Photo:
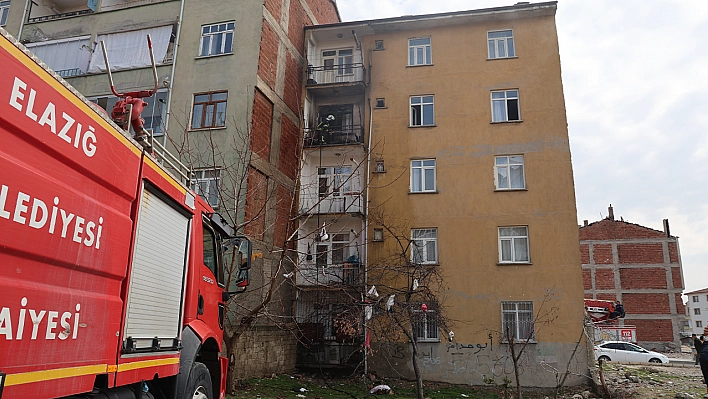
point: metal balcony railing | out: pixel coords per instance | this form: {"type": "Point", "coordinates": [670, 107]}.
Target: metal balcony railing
{"type": "Point", "coordinates": [68, 73]}
{"type": "Point", "coordinates": [346, 203]}
{"type": "Point", "coordinates": [59, 16]}
{"type": "Point", "coordinates": [128, 4]}
{"type": "Point", "coordinates": [344, 274]}
{"type": "Point", "coordinates": [344, 135]}
{"type": "Point", "coordinates": [346, 73]}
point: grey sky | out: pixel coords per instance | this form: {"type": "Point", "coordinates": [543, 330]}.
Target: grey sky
{"type": "Point", "coordinates": [635, 76]}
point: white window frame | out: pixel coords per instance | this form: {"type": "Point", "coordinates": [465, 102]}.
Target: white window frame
{"type": "Point", "coordinates": [339, 181]}
{"type": "Point", "coordinates": [421, 244]}
{"type": "Point", "coordinates": [513, 241]}
{"type": "Point", "coordinates": [325, 250]}
{"type": "Point", "coordinates": [504, 98]}
{"type": "Point", "coordinates": [427, 321]}
{"type": "Point", "coordinates": [200, 177]}
{"type": "Point", "coordinates": [421, 103]}
{"type": "Point", "coordinates": [420, 53]}
{"type": "Point", "coordinates": [4, 11]}
{"type": "Point", "coordinates": [508, 164]}
{"type": "Point", "coordinates": [501, 44]}
{"type": "Point", "coordinates": [421, 166]}
{"type": "Point", "coordinates": [699, 324]}
{"type": "Point", "coordinates": [694, 298]}
{"type": "Point", "coordinates": [518, 313]}
{"type": "Point", "coordinates": [341, 60]}
{"type": "Point", "coordinates": [697, 311]}
{"type": "Point", "coordinates": [210, 32]}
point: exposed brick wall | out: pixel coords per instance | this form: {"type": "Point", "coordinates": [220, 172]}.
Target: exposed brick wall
{"type": "Point", "coordinates": [646, 303]}
{"type": "Point", "coordinates": [680, 308]}
{"type": "Point", "coordinates": [282, 215]}
{"type": "Point", "coordinates": [261, 125]}
{"type": "Point", "coordinates": [263, 351]}
{"type": "Point", "coordinates": [645, 277]}
{"type": "Point", "coordinates": [604, 279]}
{"type": "Point", "coordinates": [602, 254]}
{"type": "Point", "coordinates": [585, 254]}
{"type": "Point", "coordinates": [296, 24]}
{"type": "Point", "coordinates": [268, 56]}
{"type": "Point", "coordinates": [652, 330]}
{"type": "Point", "coordinates": [587, 279]}
{"type": "Point", "coordinates": [607, 297]}
{"type": "Point", "coordinates": [640, 253]}
{"type": "Point", "coordinates": [293, 83]}
{"type": "Point", "coordinates": [256, 197]}
{"type": "Point", "coordinates": [289, 140]}
{"type": "Point", "coordinates": [615, 229]}
{"type": "Point", "coordinates": [273, 7]}
{"type": "Point", "coordinates": [324, 11]}
{"type": "Point", "coordinates": [676, 277]}
{"type": "Point", "coordinates": [673, 252]}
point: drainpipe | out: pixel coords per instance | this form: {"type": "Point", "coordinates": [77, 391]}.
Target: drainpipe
{"type": "Point", "coordinates": [172, 73]}
{"type": "Point", "coordinates": [366, 223]}
{"type": "Point", "coordinates": [24, 18]}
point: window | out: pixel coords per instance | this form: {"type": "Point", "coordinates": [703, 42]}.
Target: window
{"type": "Point", "coordinates": [419, 51]}
{"type": "Point", "coordinates": [505, 106]}
{"type": "Point", "coordinates": [513, 244]}
{"type": "Point", "coordinates": [378, 235]}
{"type": "Point", "coordinates": [205, 183]}
{"type": "Point", "coordinates": [217, 39]}
{"type": "Point", "coordinates": [699, 323]}
{"type": "Point", "coordinates": [340, 60]}
{"type": "Point", "coordinates": [154, 112]}
{"type": "Point", "coordinates": [67, 57]}
{"type": "Point", "coordinates": [694, 298]}
{"type": "Point", "coordinates": [425, 324]}
{"type": "Point", "coordinates": [378, 45]}
{"type": "Point", "coordinates": [380, 103]}
{"type": "Point", "coordinates": [423, 176]}
{"type": "Point", "coordinates": [509, 172]}
{"type": "Point", "coordinates": [501, 44]}
{"type": "Point", "coordinates": [424, 246]}
{"type": "Point", "coordinates": [380, 166]}
{"type": "Point", "coordinates": [209, 110]}
{"type": "Point", "coordinates": [517, 320]}
{"type": "Point", "coordinates": [211, 255]}
{"type": "Point", "coordinates": [333, 252]}
{"type": "Point", "coordinates": [129, 50]}
{"type": "Point", "coordinates": [334, 181]}
{"type": "Point", "coordinates": [697, 311]}
{"type": "Point", "coordinates": [4, 10]}
{"type": "Point", "coordinates": [422, 111]}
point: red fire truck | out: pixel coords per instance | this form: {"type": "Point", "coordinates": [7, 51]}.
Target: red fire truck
{"type": "Point", "coordinates": [112, 271]}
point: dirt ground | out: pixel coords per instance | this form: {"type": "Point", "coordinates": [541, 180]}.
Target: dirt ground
{"type": "Point", "coordinates": [655, 381]}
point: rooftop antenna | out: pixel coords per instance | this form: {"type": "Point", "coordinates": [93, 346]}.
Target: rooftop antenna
{"type": "Point", "coordinates": [127, 110]}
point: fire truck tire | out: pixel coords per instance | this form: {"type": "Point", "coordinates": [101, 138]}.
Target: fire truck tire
{"type": "Point", "coordinates": [199, 384]}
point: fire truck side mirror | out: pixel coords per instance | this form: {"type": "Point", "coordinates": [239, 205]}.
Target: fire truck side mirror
{"type": "Point", "coordinates": [245, 254]}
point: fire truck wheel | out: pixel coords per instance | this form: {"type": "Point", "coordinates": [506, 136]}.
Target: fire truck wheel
{"type": "Point", "coordinates": [199, 384]}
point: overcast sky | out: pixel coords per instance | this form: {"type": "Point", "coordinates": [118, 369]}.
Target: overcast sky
{"type": "Point", "coordinates": [635, 76]}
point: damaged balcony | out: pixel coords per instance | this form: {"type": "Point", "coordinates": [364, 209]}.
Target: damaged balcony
{"type": "Point", "coordinates": [341, 135]}
{"type": "Point", "coordinates": [336, 76]}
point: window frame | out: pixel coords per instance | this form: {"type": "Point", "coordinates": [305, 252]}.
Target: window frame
{"type": "Point", "coordinates": [423, 247]}
{"type": "Point", "coordinates": [224, 40]}
{"type": "Point", "coordinates": [508, 165]}
{"type": "Point", "coordinates": [699, 324]}
{"type": "Point", "coordinates": [423, 180]}
{"type": "Point", "coordinates": [696, 311]}
{"type": "Point", "coordinates": [4, 12]}
{"type": "Point", "coordinates": [517, 322]}
{"type": "Point", "coordinates": [506, 100]}
{"type": "Point", "coordinates": [195, 185]}
{"type": "Point", "coordinates": [422, 104]}
{"type": "Point", "coordinates": [427, 51]}
{"type": "Point", "coordinates": [694, 298]}
{"type": "Point", "coordinates": [428, 322]}
{"type": "Point", "coordinates": [512, 249]}
{"type": "Point", "coordinates": [218, 271]}
{"type": "Point", "coordinates": [506, 40]}
{"type": "Point", "coordinates": [204, 110]}
{"type": "Point", "coordinates": [339, 181]}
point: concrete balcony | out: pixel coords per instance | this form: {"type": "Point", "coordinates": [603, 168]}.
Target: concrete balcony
{"type": "Point", "coordinates": [350, 203]}
{"type": "Point", "coordinates": [336, 80]}
{"type": "Point", "coordinates": [332, 275]}
{"type": "Point", "coordinates": [343, 135]}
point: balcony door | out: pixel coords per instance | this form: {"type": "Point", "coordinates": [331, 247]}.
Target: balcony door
{"type": "Point", "coordinates": [339, 61]}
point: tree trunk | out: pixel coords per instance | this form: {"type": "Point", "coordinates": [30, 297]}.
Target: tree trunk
{"type": "Point", "coordinates": [416, 370]}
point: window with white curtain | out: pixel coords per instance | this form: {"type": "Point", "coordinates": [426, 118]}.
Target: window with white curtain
{"type": "Point", "coordinates": [509, 172]}
{"type": "Point", "coordinates": [517, 320]}
{"type": "Point", "coordinates": [505, 106]}
{"type": "Point", "coordinates": [4, 10]}
{"type": "Point", "coordinates": [127, 50]}
{"type": "Point", "coordinates": [424, 246]}
{"type": "Point", "coordinates": [419, 51]}
{"type": "Point", "coordinates": [514, 244]}
{"type": "Point", "coordinates": [501, 44]}
{"type": "Point", "coordinates": [67, 57]}
{"type": "Point", "coordinates": [423, 176]}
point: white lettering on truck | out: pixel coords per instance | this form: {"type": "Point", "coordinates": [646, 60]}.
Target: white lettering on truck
{"type": "Point", "coordinates": [83, 230]}
{"type": "Point", "coordinates": [49, 119]}
{"type": "Point", "coordinates": [36, 317]}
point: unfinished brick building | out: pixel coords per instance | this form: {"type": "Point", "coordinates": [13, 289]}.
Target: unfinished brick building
{"type": "Point", "coordinates": [641, 267]}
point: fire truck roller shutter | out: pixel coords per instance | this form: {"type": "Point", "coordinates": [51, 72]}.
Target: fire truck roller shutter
{"type": "Point", "coordinates": [155, 294]}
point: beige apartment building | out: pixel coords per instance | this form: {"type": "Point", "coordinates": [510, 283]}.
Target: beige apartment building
{"type": "Point", "coordinates": [453, 127]}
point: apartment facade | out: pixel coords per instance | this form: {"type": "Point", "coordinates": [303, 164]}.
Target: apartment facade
{"type": "Point", "coordinates": [228, 103]}
{"type": "Point", "coordinates": [448, 130]}
{"type": "Point", "coordinates": [641, 267]}
{"type": "Point", "coordinates": [697, 310]}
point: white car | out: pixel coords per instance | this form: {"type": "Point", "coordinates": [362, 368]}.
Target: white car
{"type": "Point", "coordinates": [619, 351]}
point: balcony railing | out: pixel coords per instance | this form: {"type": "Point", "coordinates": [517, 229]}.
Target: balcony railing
{"type": "Point", "coordinates": [68, 73]}
{"type": "Point", "coordinates": [59, 16]}
{"type": "Point", "coordinates": [344, 135]}
{"type": "Point", "coordinates": [346, 203]}
{"type": "Point", "coordinates": [347, 73]}
{"type": "Point", "coordinates": [127, 4]}
{"type": "Point", "coordinates": [345, 274]}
